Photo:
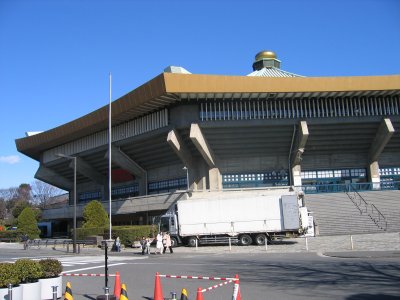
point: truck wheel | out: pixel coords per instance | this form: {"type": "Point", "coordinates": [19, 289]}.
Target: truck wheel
{"type": "Point", "coordinates": [174, 242]}
{"type": "Point", "coordinates": [261, 239]}
{"type": "Point", "coordinates": [192, 241]}
{"type": "Point", "coordinates": [245, 240]}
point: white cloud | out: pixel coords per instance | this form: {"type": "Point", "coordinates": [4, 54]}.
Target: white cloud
{"type": "Point", "coordinates": [11, 159]}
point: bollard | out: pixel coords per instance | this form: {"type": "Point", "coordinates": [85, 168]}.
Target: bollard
{"type": "Point", "coordinates": [306, 244]}
{"type": "Point", "coordinates": [9, 291]}
{"type": "Point", "coordinates": [79, 248]}
{"type": "Point", "coordinates": [54, 287]}
{"type": "Point", "coordinates": [68, 247]}
{"type": "Point", "coordinates": [196, 244]}
{"type": "Point", "coordinates": [351, 242]}
{"type": "Point", "coordinates": [230, 245]}
{"type": "Point", "coordinates": [266, 244]}
{"type": "Point", "coordinates": [106, 292]}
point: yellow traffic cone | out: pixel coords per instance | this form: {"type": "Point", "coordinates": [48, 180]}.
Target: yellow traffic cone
{"type": "Point", "coordinates": [124, 293]}
{"type": "Point", "coordinates": [68, 292]}
{"type": "Point", "coordinates": [184, 294]}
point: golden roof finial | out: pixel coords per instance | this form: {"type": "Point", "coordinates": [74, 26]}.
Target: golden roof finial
{"type": "Point", "coordinates": [265, 54]}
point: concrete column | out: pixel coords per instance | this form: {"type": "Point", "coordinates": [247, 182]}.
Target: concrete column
{"type": "Point", "coordinates": [47, 175]}
{"type": "Point", "coordinates": [295, 162]}
{"type": "Point", "coordinates": [215, 179]}
{"type": "Point", "coordinates": [127, 163]}
{"type": "Point", "coordinates": [296, 175]}
{"type": "Point", "coordinates": [373, 174]}
{"type": "Point", "coordinates": [201, 175]}
{"type": "Point", "coordinates": [382, 137]}
{"type": "Point", "coordinates": [199, 140]}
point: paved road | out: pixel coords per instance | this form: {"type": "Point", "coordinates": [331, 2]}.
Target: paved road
{"type": "Point", "coordinates": [284, 271]}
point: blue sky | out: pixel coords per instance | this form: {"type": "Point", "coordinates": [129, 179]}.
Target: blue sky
{"type": "Point", "coordinates": [55, 56]}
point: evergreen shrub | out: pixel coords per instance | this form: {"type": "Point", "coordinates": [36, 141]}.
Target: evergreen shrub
{"type": "Point", "coordinates": [27, 223]}
{"type": "Point", "coordinates": [28, 270]}
{"type": "Point", "coordinates": [94, 215]}
{"type": "Point", "coordinates": [8, 274]}
{"type": "Point", "coordinates": [50, 267]}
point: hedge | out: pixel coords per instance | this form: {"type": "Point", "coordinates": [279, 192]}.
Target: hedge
{"type": "Point", "coordinates": [13, 235]}
{"type": "Point", "coordinates": [126, 234]}
{"type": "Point", "coordinates": [27, 270]}
{"type": "Point", "coordinates": [9, 274]}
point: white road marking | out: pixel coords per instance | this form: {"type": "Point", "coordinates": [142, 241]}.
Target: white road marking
{"type": "Point", "coordinates": [90, 268]}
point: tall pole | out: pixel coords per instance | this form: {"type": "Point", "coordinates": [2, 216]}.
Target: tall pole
{"type": "Point", "coordinates": [74, 161]}
{"type": "Point", "coordinates": [109, 158]}
{"type": "Point", "coordinates": [187, 177]}
{"type": "Point", "coordinates": [74, 233]}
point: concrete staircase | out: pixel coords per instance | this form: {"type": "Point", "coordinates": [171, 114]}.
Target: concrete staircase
{"type": "Point", "coordinates": [335, 214]}
{"type": "Point", "coordinates": [388, 203]}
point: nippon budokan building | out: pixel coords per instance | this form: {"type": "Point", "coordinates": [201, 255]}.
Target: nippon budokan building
{"type": "Point", "coordinates": [180, 134]}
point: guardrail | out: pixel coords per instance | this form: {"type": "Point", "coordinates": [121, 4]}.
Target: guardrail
{"type": "Point", "coordinates": [340, 188]}
{"type": "Point", "coordinates": [38, 243]}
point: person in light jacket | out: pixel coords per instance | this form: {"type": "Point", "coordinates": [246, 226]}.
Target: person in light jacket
{"type": "Point", "coordinates": [159, 245]}
{"type": "Point", "coordinates": [167, 242]}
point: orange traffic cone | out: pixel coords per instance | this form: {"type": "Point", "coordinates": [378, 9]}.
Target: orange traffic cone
{"type": "Point", "coordinates": [117, 285]}
{"type": "Point", "coordinates": [158, 295]}
{"type": "Point", "coordinates": [68, 292]}
{"type": "Point", "coordinates": [199, 294]}
{"type": "Point", "coordinates": [236, 289]}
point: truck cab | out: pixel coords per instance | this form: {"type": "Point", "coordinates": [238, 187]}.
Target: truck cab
{"type": "Point", "coordinates": [169, 223]}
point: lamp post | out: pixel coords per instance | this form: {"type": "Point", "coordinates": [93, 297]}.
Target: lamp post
{"type": "Point", "coordinates": [187, 177]}
{"type": "Point", "coordinates": [73, 158]}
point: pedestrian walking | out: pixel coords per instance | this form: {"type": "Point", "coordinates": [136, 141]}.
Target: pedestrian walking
{"type": "Point", "coordinates": [143, 244]}
{"type": "Point", "coordinates": [25, 240]}
{"type": "Point", "coordinates": [118, 244]}
{"type": "Point", "coordinates": [159, 245]}
{"type": "Point", "coordinates": [167, 242]}
{"type": "Point", "coordinates": [148, 243]}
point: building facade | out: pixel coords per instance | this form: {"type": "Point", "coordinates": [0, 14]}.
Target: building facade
{"type": "Point", "coordinates": [183, 132]}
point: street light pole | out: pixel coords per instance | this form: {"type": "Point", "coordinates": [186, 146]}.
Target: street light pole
{"type": "Point", "coordinates": [187, 177]}
{"type": "Point", "coordinates": [74, 160]}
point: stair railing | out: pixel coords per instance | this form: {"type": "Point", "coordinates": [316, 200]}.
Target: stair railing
{"type": "Point", "coordinates": [364, 207]}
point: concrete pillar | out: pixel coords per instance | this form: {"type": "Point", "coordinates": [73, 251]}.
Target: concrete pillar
{"type": "Point", "coordinates": [382, 137]}
{"type": "Point", "coordinates": [199, 140]}
{"type": "Point", "coordinates": [127, 163]}
{"type": "Point", "coordinates": [373, 174]}
{"type": "Point", "coordinates": [215, 179]}
{"type": "Point", "coordinates": [298, 150]}
{"type": "Point", "coordinates": [296, 175]}
{"type": "Point", "coordinates": [201, 175]}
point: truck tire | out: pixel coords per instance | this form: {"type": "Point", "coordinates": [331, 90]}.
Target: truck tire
{"type": "Point", "coordinates": [261, 239]}
{"type": "Point", "coordinates": [174, 242]}
{"type": "Point", "coordinates": [192, 241]}
{"type": "Point", "coordinates": [245, 240]}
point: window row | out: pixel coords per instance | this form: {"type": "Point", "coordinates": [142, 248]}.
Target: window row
{"type": "Point", "coordinates": [341, 173]}
{"type": "Point", "coordinates": [248, 180]}
{"type": "Point", "coordinates": [217, 109]}
{"type": "Point", "coordinates": [167, 185]}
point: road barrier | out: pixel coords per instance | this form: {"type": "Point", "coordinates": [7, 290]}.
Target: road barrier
{"type": "Point", "coordinates": [158, 295]}
{"type": "Point", "coordinates": [89, 275]}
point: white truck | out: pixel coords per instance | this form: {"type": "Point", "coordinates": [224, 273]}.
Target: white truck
{"type": "Point", "coordinates": [242, 217]}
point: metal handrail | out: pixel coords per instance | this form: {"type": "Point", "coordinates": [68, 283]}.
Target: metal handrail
{"type": "Point", "coordinates": [379, 215]}
{"type": "Point", "coordinates": [361, 199]}
{"type": "Point", "coordinates": [373, 208]}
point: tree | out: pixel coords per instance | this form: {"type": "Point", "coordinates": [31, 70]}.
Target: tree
{"type": "Point", "coordinates": [94, 215]}
{"type": "Point", "coordinates": [19, 206]}
{"type": "Point", "coordinates": [27, 223]}
{"type": "Point", "coordinates": [3, 209]}
{"type": "Point", "coordinates": [43, 192]}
